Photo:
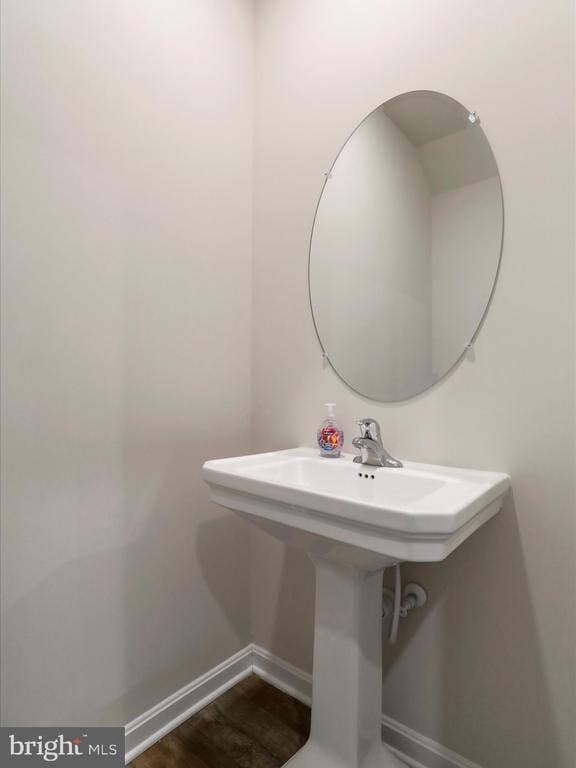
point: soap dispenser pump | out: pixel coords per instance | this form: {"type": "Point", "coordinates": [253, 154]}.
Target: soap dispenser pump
{"type": "Point", "coordinates": [330, 436]}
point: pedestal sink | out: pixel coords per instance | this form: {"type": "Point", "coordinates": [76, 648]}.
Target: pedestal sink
{"type": "Point", "coordinates": [354, 521]}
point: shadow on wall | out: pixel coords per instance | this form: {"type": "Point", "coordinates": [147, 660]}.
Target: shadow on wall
{"type": "Point", "coordinates": [294, 609]}
{"type": "Point", "coordinates": [223, 527]}
{"type": "Point", "coordinates": [479, 652]}
{"type": "Point", "coordinates": [289, 589]}
{"type": "Point", "coordinates": [131, 624]}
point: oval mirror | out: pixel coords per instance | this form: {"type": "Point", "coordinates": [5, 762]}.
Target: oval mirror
{"type": "Point", "coordinates": [406, 245]}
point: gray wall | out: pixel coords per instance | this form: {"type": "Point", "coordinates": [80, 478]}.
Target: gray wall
{"type": "Point", "coordinates": [488, 667]}
{"type": "Point", "coordinates": [126, 349]}
{"type": "Point", "coordinates": [127, 342]}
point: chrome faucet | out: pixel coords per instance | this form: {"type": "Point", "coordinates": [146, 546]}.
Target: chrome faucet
{"type": "Point", "coordinates": [370, 446]}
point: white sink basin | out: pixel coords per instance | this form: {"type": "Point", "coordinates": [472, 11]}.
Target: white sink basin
{"type": "Point", "coordinates": [419, 512]}
{"type": "Point", "coordinates": [353, 520]}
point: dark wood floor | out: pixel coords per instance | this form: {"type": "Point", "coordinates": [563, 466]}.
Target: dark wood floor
{"type": "Point", "coordinates": [253, 725]}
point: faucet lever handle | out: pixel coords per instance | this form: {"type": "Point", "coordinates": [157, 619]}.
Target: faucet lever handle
{"type": "Point", "coordinates": [369, 428]}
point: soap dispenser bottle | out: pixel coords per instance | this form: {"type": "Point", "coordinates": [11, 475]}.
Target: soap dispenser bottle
{"type": "Point", "coordinates": [330, 436]}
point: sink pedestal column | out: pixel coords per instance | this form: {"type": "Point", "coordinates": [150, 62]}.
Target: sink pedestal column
{"type": "Point", "coordinates": [347, 680]}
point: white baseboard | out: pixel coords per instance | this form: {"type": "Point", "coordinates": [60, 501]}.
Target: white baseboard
{"type": "Point", "coordinates": [415, 750]}
{"type": "Point", "coordinates": [168, 714]}
{"type": "Point", "coordinates": [282, 675]}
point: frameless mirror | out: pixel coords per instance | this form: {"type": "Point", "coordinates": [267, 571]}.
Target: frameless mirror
{"type": "Point", "coordinates": [406, 245]}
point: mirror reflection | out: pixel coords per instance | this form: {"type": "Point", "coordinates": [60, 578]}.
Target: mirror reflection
{"type": "Point", "coordinates": [406, 245]}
